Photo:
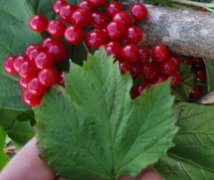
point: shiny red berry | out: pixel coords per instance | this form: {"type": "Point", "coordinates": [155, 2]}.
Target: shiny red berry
{"type": "Point", "coordinates": [74, 34]}
{"type": "Point", "coordinates": [114, 48]}
{"type": "Point", "coordinates": [133, 35]}
{"type": "Point", "coordinates": [198, 62]}
{"type": "Point", "coordinates": [18, 61]}
{"type": "Point", "coordinates": [196, 91]}
{"type": "Point", "coordinates": [201, 75]}
{"type": "Point", "coordinates": [43, 60]}
{"type": "Point", "coordinates": [35, 87]}
{"type": "Point", "coordinates": [99, 20]}
{"type": "Point", "coordinates": [27, 70]}
{"type": "Point", "coordinates": [122, 17]}
{"type": "Point", "coordinates": [85, 5]}
{"type": "Point", "coordinates": [57, 5]}
{"type": "Point", "coordinates": [97, 3]}
{"type": "Point", "coordinates": [168, 68]}
{"type": "Point", "coordinates": [160, 53]}
{"type": "Point", "coordinates": [125, 67]}
{"type": "Point", "coordinates": [56, 28]}
{"type": "Point", "coordinates": [176, 60]}
{"type": "Point", "coordinates": [130, 53]}
{"type": "Point", "coordinates": [66, 12]}
{"type": "Point", "coordinates": [81, 17]}
{"type": "Point", "coordinates": [160, 78]}
{"type": "Point", "coordinates": [32, 51]}
{"type": "Point", "coordinates": [143, 54]}
{"type": "Point", "coordinates": [96, 38]}
{"type": "Point", "coordinates": [136, 90]}
{"type": "Point", "coordinates": [31, 99]}
{"type": "Point", "coordinates": [49, 76]}
{"type": "Point", "coordinates": [23, 82]}
{"type": "Point", "coordinates": [8, 65]}
{"type": "Point", "coordinates": [138, 11]}
{"type": "Point", "coordinates": [150, 71]}
{"type": "Point", "coordinates": [38, 23]}
{"type": "Point", "coordinates": [115, 30]}
{"type": "Point", "coordinates": [175, 78]}
{"type": "Point", "coordinates": [55, 48]}
{"type": "Point", "coordinates": [113, 8]}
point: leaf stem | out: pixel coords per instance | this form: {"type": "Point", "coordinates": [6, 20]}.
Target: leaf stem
{"type": "Point", "coordinates": [207, 6]}
{"type": "Point", "coordinates": [86, 47]}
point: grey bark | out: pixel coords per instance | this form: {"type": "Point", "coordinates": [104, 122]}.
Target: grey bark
{"type": "Point", "coordinates": [185, 32]}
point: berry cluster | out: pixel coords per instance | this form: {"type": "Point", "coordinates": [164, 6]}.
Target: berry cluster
{"type": "Point", "coordinates": [154, 67]}
{"type": "Point", "coordinates": [198, 68]}
{"type": "Point", "coordinates": [36, 68]}
{"type": "Point", "coordinates": [114, 28]}
{"type": "Point", "coordinates": [94, 23]}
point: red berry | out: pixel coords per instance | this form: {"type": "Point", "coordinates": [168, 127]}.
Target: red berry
{"type": "Point", "coordinates": [138, 12]}
{"type": "Point", "coordinates": [188, 60]}
{"type": "Point", "coordinates": [56, 28]}
{"type": "Point", "coordinates": [74, 35]}
{"type": "Point", "coordinates": [31, 99]}
{"type": "Point", "coordinates": [175, 78]}
{"type": "Point", "coordinates": [201, 75]}
{"type": "Point", "coordinates": [32, 51]}
{"type": "Point", "coordinates": [35, 87]}
{"type": "Point", "coordinates": [160, 53]}
{"type": "Point", "coordinates": [143, 54]}
{"type": "Point", "coordinates": [49, 76]}
{"type": "Point", "coordinates": [81, 17]}
{"type": "Point", "coordinates": [8, 65]}
{"type": "Point", "coordinates": [138, 89]}
{"type": "Point", "coordinates": [176, 60]}
{"type": "Point", "coordinates": [43, 60]}
{"type": "Point", "coordinates": [130, 53]}
{"type": "Point", "coordinates": [196, 91]}
{"type": "Point", "coordinates": [55, 48]}
{"type": "Point", "coordinates": [23, 82]}
{"type": "Point", "coordinates": [135, 70]}
{"type": "Point", "coordinates": [99, 20]}
{"type": "Point", "coordinates": [18, 61]}
{"type": "Point", "coordinates": [85, 5]}
{"type": "Point", "coordinates": [160, 78]}
{"type": "Point", "coordinates": [150, 71]}
{"type": "Point", "coordinates": [61, 80]}
{"type": "Point", "coordinates": [125, 67]}
{"type": "Point", "coordinates": [57, 5]}
{"type": "Point", "coordinates": [122, 17]}
{"type": "Point", "coordinates": [115, 30]}
{"type": "Point", "coordinates": [96, 38]}
{"type": "Point", "coordinates": [198, 62]}
{"type": "Point", "coordinates": [114, 48]}
{"type": "Point", "coordinates": [66, 12]}
{"type": "Point", "coordinates": [113, 8]}
{"type": "Point", "coordinates": [38, 23]}
{"type": "Point", "coordinates": [97, 3]}
{"type": "Point", "coordinates": [27, 70]}
{"type": "Point", "coordinates": [133, 35]}
{"type": "Point", "coordinates": [168, 68]}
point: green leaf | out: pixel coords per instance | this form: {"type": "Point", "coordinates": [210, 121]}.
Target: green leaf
{"type": "Point", "coordinates": [14, 37]}
{"type": "Point", "coordinates": [3, 157]}
{"type": "Point", "coordinates": [93, 130]}
{"type": "Point", "coordinates": [17, 125]}
{"type": "Point", "coordinates": [188, 81]}
{"type": "Point", "coordinates": [209, 64]}
{"type": "Point", "coordinates": [2, 138]}
{"type": "Point", "coordinates": [193, 156]}
{"type": "Point", "coordinates": [21, 132]}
